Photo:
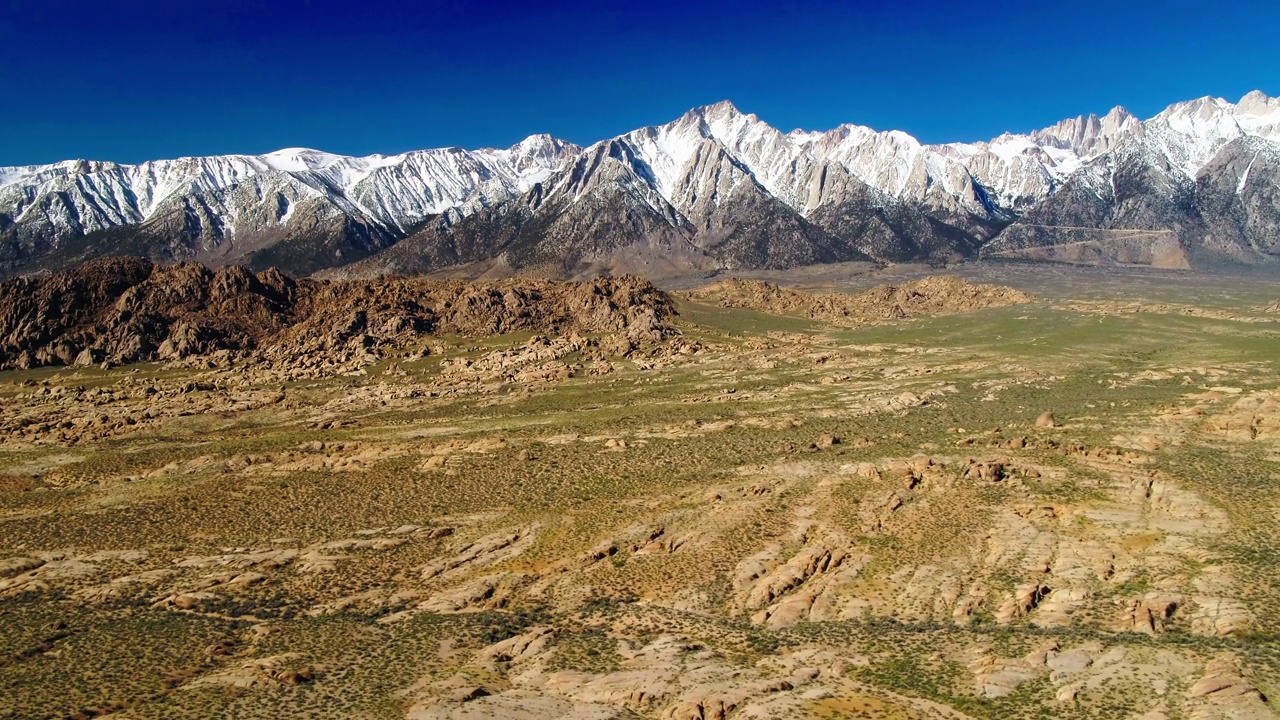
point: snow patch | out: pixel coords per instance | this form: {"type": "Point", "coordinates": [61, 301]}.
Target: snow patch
{"type": "Point", "coordinates": [1244, 176]}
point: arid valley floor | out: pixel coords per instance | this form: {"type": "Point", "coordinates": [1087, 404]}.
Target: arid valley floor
{"type": "Point", "coordinates": [947, 502]}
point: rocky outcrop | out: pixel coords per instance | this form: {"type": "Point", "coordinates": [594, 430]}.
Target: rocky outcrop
{"type": "Point", "coordinates": [122, 310]}
{"type": "Point", "coordinates": [939, 295]}
{"type": "Point", "coordinates": [1222, 692]}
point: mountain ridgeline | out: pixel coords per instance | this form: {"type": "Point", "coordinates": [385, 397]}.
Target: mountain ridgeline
{"type": "Point", "coordinates": [716, 189]}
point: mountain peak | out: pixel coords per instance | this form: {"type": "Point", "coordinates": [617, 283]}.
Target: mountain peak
{"type": "Point", "coordinates": [1089, 135]}
{"type": "Point", "coordinates": [1202, 107]}
{"type": "Point", "coordinates": [1259, 115]}
{"type": "Point", "coordinates": [720, 109]}
{"type": "Point", "coordinates": [538, 143]}
{"type": "Point", "coordinates": [1256, 102]}
{"type": "Point", "coordinates": [536, 139]}
{"type": "Point", "coordinates": [1119, 114]}
{"type": "Point", "coordinates": [298, 159]}
{"type": "Point", "coordinates": [706, 158]}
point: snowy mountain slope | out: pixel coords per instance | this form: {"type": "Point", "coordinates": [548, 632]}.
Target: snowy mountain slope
{"type": "Point", "coordinates": [722, 186]}
{"type": "Point", "coordinates": [1200, 175]}
{"type": "Point", "coordinates": [429, 181]}
{"type": "Point", "coordinates": [691, 192]}
{"type": "Point", "coordinates": [599, 209]}
{"type": "Point", "coordinates": [225, 206]}
{"type": "Point", "coordinates": [991, 181]}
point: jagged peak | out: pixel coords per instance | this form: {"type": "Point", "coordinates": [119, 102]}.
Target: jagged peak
{"type": "Point", "coordinates": [616, 149]}
{"type": "Point", "coordinates": [1087, 135]}
{"type": "Point", "coordinates": [721, 115]}
{"type": "Point", "coordinates": [608, 164]}
{"type": "Point", "coordinates": [540, 150]}
{"type": "Point", "coordinates": [540, 141]}
{"type": "Point", "coordinates": [1119, 113]}
{"type": "Point", "coordinates": [718, 109]}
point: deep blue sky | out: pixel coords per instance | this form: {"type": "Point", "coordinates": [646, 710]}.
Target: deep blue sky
{"type": "Point", "coordinates": [129, 80]}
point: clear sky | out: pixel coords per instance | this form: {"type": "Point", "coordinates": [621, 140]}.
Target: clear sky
{"type": "Point", "coordinates": [129, 80]}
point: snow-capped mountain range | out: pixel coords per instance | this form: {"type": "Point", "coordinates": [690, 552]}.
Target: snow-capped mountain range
{"type": "Point", "coordinates": [714, 188]}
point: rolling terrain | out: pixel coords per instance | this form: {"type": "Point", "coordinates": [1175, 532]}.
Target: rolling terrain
{"type": "Point", "coordinates": [876, 496]}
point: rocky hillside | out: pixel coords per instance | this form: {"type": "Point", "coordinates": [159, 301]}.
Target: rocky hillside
{"type": "Point", "coordinates": [938, 295]}
{"type": "Point", "coordinates": [121, 310]}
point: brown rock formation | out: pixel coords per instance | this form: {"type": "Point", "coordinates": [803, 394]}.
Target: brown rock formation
{"type": "Point", "coordinates": [940, 295]}
{"type": "Point", "coordinates": [121, 310]}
